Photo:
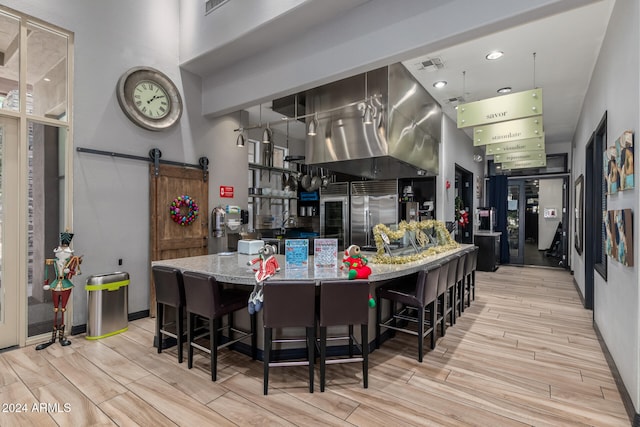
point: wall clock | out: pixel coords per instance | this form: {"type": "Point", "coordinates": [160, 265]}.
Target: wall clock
{"type": "Point", "coordinates": [149, 98]}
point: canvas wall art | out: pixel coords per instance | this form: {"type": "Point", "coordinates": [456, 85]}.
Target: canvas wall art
{"type": "Point", "coordinates": [624, 157]}
{"type": "Point", "coordinates": [618, 164]}
{"type": "Point", "coordinates": [619, 228]}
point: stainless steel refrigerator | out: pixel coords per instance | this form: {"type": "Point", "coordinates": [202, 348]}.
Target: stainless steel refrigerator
{"type": "Point", "coordinates": [334, 213]}
{"type": "Point", "coordinates": [372, 203]}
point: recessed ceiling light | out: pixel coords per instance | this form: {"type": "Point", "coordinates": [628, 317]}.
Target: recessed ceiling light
{"type": "Point", "coordinates": [47, 79]}
{"type": "Point", "coordinates": [505, 89]}
{"type": "Point", "coordinates": [494, 55]}
{"type": "Point", "coordinates": [440, 84]}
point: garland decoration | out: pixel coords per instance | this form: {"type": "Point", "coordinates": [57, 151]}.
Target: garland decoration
{"type": "Point", "coordinates": [437, 228]}
{"type": "Point", "coordinates": [462, 216]}
{"type": "Point", "coordinates": [184, 210]}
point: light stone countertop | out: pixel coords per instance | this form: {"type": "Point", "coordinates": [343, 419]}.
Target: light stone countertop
{"type": "Point", "coordinates": [487, 233]}
{"type": "Point", "coordinates": [233, 268]}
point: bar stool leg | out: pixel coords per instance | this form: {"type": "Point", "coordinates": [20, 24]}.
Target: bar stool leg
{"type": "Point", "coordinates": [266, 353]}
{"type": "Point", "coordinates": [364, 332]}
{"type": "Point", "coordinates": [323, 356]}
{"type": "Point", "coordinates": [350, 340]}
{"type": "Point", "coordinates": [159, 320]}
{"type": "Point", "coordinates": [311, 345]}
{"type": "Point", "coordinates": [420, 334]}
{"type": "Point", "coordinates": [378, 320]}
{"type": "Point", "coordinates": [180, 331]}
{"type": "Point", "coordinates": [213, 343]}
{"type": "Point", "coordinates": [190, 320]}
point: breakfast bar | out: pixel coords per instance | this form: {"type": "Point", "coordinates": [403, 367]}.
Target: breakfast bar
{"type": "Point", "coordinates": [233, 269]}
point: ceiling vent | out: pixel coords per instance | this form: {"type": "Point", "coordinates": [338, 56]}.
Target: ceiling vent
{"type": "Point", "coordinates": [455, 101]}
{"type": "Point", "coordinates": [211, 5]}
{"type": "Point", "coordinates": [432, 64]}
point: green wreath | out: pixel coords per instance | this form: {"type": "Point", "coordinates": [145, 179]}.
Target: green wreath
{"type": "Point", "coordinates": [184, 210]}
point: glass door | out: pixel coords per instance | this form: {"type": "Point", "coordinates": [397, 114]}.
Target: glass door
{"type": "Point", "coordinates": [515, 223]}
{"type": "Point", "coordinates": [9, 232]}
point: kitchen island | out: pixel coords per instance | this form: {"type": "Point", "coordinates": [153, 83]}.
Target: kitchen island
{"type": "Point", "coordinates": [232, 268]}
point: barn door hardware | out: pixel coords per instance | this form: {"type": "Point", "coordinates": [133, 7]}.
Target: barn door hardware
{"type": "Point", "coordinates": [155, 157]}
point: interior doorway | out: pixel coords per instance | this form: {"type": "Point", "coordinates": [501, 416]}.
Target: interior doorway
{"type": "Point", "coordinates": [537, 222]}
{"type": "Point", "coordinates": [464, 201]}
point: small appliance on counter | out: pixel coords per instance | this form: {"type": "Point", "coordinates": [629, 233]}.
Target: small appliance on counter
{"type": "Point", "coordinates": [249, 247]}
{"type": "Point", "coordinates": [486, 219]}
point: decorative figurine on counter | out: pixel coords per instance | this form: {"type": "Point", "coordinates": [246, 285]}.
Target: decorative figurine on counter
{"type": "Point", "coordinates": [66, 265]}
{"type": "Point", "coordinates": [356, 263]}
{"type": "Point", "coordinates": [267, 267]}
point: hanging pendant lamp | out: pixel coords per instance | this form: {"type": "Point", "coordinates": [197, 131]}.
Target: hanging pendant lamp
{"type": "Point", "coordinates": [313, 126]}
{"type": "Point", "coordinates": [267, 135]}
{"type": "Point", "coordinates": [240, 139]}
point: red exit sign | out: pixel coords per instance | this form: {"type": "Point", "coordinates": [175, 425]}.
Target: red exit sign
{"type": "Point", "coordinates": [226, 191]}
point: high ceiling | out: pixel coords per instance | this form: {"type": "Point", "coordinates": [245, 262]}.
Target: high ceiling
{"type": "Point", "coordinates": [565, 46]}
{"type": "Point", "coordinates": [557, 54]}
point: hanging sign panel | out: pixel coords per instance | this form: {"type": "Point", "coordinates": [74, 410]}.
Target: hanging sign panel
{"type": "Point", "coordinates": [512, 130]}
{"type": "Point", "coordinates": [523, 164]}
{"type": "Point", "coordinates": [500, 108]}
{"type": "Point", "coordinates": [530, 144]}
{"type": "Point", "coordinates": [519, 156]}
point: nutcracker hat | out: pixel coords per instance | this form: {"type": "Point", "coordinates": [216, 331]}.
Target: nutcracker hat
{"type": "Point", "coordinates": [65, 238]}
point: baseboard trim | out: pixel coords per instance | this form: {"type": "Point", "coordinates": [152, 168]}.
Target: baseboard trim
{"type": "Point", "coordinates": [634, 417]}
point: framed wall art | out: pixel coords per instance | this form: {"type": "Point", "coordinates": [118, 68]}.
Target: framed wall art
{"type": "Point", "coordinates": [578, 224]}
{"type": "Point", "coordinates": [624, 157]}
{"type": "Point", "coordinates": [619, 229]}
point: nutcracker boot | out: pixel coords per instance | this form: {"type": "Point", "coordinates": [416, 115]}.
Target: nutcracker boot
{"type": "Point", "coordinates": [48, 343]}
{"type": "Point", "coordinates": [61, 338]}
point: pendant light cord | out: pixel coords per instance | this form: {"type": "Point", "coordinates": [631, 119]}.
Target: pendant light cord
{"type": "Point", "coordinates": [534, 70]}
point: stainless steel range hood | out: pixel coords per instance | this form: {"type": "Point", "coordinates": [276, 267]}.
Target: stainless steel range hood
{"type": "Point", "coordinates": [401, 142]}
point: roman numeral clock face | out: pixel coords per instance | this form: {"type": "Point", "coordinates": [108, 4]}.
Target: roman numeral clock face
{"type": "Point", "coordinates": [149, 98]}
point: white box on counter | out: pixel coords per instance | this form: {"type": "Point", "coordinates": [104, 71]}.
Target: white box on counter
{"type": "Point", "coordinates": [249, 247]}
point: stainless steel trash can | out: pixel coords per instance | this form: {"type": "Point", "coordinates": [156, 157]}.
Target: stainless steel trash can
{"type": "Point", "coordinates": [107, 298]}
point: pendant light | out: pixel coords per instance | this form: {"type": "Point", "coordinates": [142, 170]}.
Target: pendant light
{"type": "Point", "coordinates": [313, 125]}
{"type": "Point", "coordinates": [240, 139]}
{"type": "Point", "coordinates": [267, 135]}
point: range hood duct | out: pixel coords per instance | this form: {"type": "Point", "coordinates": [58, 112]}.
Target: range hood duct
{"type": "Point", "coordinates": [403, 140]}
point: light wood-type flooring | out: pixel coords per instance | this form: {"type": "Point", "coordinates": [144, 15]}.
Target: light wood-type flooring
{"type": "Point", "coordinates": [524, 354]}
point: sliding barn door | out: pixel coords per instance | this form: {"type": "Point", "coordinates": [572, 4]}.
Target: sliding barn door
{"type": "Point", "coordinates": [170, 239]}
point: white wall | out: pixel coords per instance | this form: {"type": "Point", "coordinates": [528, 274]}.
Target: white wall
{"type": "Point", "coordinates": [614, 89]}
{"type": "Point", "coordinates": [549, 196]}
{"type": "Point", "coordinates": [111, 197]}
{"type": "Point", "coordinates": [456, 148]}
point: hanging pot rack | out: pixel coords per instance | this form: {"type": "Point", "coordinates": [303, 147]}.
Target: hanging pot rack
{"type": "Point", "coordinates": [154, 157]}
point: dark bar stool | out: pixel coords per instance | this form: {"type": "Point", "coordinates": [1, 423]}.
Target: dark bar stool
{"type": "Point", "coordinates": [445, 265]}
{"type": "Point", "coordinates": [207, 298]}
{"type": "Point", "coordinates": [452, 282]}
{"type": "Point", "coordinates": [288, 304]}
{"type": "Point", "coordinates": [471, 255]}
{"type": "Point", "coordinates": [421, 295]}
{"type": "Point", "coordinates": [460, 278]}
{"type": "Point", "coordinates": [344, 302]}
{"type": "Point", "coordinates": [470, 271]}
{"type": "Point", "coordinates": [169, 292]}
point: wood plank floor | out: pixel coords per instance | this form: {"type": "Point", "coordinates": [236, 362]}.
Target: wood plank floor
{"type": "Point", "coordinates": [524, 353]}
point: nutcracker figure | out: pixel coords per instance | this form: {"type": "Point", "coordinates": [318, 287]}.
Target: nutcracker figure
{"type": "Point", "coordinates": [65, 265]}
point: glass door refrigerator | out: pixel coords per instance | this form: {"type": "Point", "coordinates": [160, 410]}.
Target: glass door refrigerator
{"type": "Point", "coordinates": [334, 213]}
